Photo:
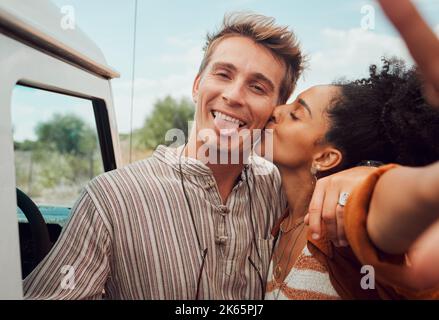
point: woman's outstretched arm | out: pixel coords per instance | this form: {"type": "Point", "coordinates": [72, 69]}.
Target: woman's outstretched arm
{"type": "Point", "coordinates": [404, 204]}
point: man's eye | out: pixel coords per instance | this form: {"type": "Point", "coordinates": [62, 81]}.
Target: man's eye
{"type": "Point", "coordinates": [257, 88]}
{"type": "Point", "coordinates": [223, 75]}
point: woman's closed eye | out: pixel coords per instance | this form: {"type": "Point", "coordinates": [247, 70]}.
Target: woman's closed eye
{"type": "Point", "coordinates": [293, 116]}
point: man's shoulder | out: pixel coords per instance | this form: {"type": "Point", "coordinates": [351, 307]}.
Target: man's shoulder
{"type": "Point", "coordinates": [150, 169]}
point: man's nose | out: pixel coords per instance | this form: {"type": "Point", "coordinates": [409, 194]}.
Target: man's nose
{"type": "Point", "coordinates": [233, 94]}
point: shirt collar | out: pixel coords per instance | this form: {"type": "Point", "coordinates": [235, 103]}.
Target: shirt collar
{"type": "Point", "coordinates": [189, 166]}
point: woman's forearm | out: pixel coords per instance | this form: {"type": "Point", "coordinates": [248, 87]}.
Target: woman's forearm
{"type": "Point", "coordinates": [404, 204]}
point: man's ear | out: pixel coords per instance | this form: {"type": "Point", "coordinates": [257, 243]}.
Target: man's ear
{"type": "Point", "coordinates": [195, 87]}
{"type": "Point", "coordinates": [327, 159]}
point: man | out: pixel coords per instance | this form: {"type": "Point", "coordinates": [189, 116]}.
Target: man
{"type": "Point", "coordinates": [176, 226]}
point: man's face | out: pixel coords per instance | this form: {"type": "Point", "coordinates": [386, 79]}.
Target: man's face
{"type": "Point", "coordinates": [238, 88]}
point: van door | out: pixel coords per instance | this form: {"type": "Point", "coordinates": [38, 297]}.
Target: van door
{"type": "Point", "coordinates": [25, 66]}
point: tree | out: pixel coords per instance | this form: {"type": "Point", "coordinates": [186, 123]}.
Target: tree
{"type": "Point", "coordinates": [67, 134]}
{"type": "Point", "coordinates": [71, 137]}
{"type": "Point", "coordinates": [167, 114]}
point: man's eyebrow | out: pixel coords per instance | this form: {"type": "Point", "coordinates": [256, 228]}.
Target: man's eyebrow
{"type": "Point", "coordinates": [224, 65]}
{"type": "Point", "coordinates": [305, 105]}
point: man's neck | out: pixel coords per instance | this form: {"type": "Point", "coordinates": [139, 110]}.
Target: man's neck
{"type": "Point", "coordinates": [298, 186]}
{"type": "Point", "coordinates": [226, 175]}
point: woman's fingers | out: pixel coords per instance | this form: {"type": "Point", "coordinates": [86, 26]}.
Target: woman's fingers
{"type": "Point", "coordinates": [315, 208]}
{"type": "Point", "coordinates": [341, 235]}
{"type": "Point", "coordinates": [329, 215]}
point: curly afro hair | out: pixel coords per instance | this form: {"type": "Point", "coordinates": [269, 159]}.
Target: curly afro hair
{"type": "Point", "coordinates": [384, 118]}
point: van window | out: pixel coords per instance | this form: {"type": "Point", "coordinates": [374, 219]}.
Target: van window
{"type": "Point", "coordinates": [56, 149]}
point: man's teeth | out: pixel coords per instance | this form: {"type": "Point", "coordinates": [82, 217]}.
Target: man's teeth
{"type": "Point", "coordinates": [227, 118]}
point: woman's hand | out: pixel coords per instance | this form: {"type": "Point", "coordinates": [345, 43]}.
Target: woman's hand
{"type": "Point", "coordinates": [421, 41]}
{"type": "Point", "coordinates": [324, 206]}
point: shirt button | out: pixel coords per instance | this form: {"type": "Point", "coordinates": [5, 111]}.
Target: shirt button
{"type": "Point", "coordinates": [223, 210]}
{"type": "Point", "coordinates": [209, 185]}
{"type": "Point", "coordinates": [221, 240]}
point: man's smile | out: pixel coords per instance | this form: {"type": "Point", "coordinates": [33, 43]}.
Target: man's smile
{"type": "Point", "coordinates": [226, 123]}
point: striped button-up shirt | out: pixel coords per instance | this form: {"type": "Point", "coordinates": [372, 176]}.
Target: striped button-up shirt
{"type": "Point", "coordinates": [131, 236]}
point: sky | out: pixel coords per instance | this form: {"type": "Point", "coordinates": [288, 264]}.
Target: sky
{"type": "Point", "coordinates": [171, 34]}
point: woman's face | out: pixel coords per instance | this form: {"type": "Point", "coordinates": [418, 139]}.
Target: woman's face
{"type": "Point", "coordinates": [297, 127]}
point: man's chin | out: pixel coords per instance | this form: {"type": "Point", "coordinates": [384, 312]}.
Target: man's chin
{"type": "Point", "coordinates": [222, 153]}
{"type": "Point", "coordinates": [219, 147]}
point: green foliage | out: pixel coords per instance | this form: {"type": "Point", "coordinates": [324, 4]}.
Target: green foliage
{"type": "Point", "coordinates": [65, 156]}
{"type": "Point", "coordinates": [67, 134]}
{"type": "Point", "coordinates": [167, 114]}
{"type": "Point", "coordinates": [26, 145]}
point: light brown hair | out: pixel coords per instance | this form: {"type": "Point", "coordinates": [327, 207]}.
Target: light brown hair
{"type": "Point", "coordinates": [262, 30]}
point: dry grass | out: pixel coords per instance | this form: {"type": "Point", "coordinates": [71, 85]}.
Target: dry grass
{"type": "Point", "coordinates": [136, 154]}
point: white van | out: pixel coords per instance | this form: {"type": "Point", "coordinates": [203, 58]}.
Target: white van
{"type": "Point", "coordinates": [54, 87]}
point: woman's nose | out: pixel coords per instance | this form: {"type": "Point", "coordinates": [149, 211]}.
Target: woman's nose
{"type": "Point", "coordinates": [275, 116]}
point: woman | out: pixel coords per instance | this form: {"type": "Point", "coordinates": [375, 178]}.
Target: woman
{"type": "Point", "coordinates": [332, 128]}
